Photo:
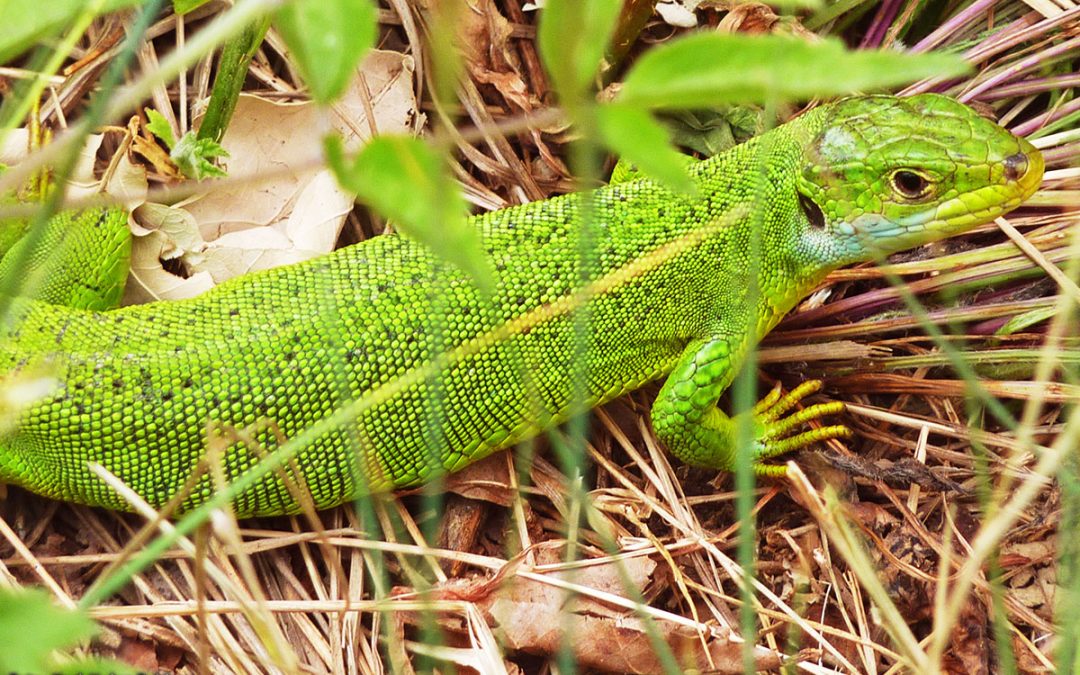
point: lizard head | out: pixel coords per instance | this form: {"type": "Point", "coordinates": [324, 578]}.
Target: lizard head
{"type": "Point", "coordinates": [886, 174]}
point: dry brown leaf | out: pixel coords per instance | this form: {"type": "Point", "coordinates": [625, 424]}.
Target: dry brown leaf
{"type": "Point", "coordinates": [149, 281]}
{"type": "Point", "coordinates": [487, 480]}
{"type": "Point", "coordinates": [127, 183]}
{"type": "Point", "coordinates": [751, 18]}
{"type": "Point", "coordinates": [145, 145]}
{"type": "Point", "coordinates": [535, 617]}
{"type": "Point", "coordinates": [124, 181]}
{"type": "Point", "coordinates": [139, 653]}
{"type": "Point", "coordinates": [82, 183]}
{"type": "Point", "coordinates": [485, 42]}
{"type": "Point", "coordinates": [969, 643]}
{"type": "Point", "coordinates": [294, 214]}
{"type": "Point", "coordinates": [755, 18]}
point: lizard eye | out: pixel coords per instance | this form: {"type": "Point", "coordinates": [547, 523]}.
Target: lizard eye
{"type": "Point", "coordinates": [909, 184]}
{"type": "Point", "coordinates": [812, 212]}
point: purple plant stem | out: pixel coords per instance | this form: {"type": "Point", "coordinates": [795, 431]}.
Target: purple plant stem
{"type": "Point", "coordinates": [1020, 67]}
{"type": "Point", "coordinates": [952, 25]}
{"type": "Point", "coordinates": [876, 33]}
{"type": "Point", "coordinates": [1027, 27]}
{"type": "Point", "coordinates": [1039, 121]}
{"type": "Point", "coordinates": [1063, 154]}
{"type": "Point", "coordinates": [1033, 86]}
{"type": "Point", "coordinates": [1002, 40]}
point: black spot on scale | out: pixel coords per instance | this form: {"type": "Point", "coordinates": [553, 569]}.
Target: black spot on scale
{"type": "Point", "coordinates": [166, 396]}
{"type": "Point", "coordinates": [118, 383]}
{"type": "Point", "coordinates": [188, 383]}
{"type": "Point", "coordinates": [234, 312]}
{"type": "Point", "coordinates": [62, 332]}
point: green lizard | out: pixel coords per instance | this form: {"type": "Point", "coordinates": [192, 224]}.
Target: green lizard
{"type": "Point", "coordinates": [671, 292]}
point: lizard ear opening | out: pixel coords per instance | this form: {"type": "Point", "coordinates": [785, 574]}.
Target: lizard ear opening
{"type": "Point", "coordinates": [812, 212]}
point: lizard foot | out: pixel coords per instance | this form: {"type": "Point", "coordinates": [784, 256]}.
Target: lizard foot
{"type": "Point", "coordinates": [775, 435]}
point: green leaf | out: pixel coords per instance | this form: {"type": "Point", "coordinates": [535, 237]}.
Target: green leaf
{"type": "Point", "coordinates": [1026, 320]}
{"type": "Point", "coordinates": [402, 178]}
{"type": "Point", "coordinates": [182, 7]}
{"type": "Point", "coordinates": [635, 136]}
{"type": "Point", "coordinates": [573, 37]}
{"type": "Point", "coordinates": [25, 23]}
{"type": "Point", "coordinates": [233, 65]}
{"type": "Point", "coordinates": [713, 130]}
{"type": "Point", "coordinates": [711, 69]}
{"type": "Point", "coordinates": [326, 40]}
{"type": "Point", "coordinates": [194, 156]}
{"type": "Point", "coordinates": [32, 628]}
{"type": "Point", "coordinates": [159, 126]}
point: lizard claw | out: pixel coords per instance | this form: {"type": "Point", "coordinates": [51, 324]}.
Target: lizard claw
{"type": "Point", "coordinates": [774, 436]}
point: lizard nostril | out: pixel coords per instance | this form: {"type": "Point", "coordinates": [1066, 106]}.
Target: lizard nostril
{"type": "Point", "coordinates": [1015, 166]}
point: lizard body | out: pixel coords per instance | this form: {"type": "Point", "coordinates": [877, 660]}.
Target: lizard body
{"type": "Point", "coordinates": [138, 389]}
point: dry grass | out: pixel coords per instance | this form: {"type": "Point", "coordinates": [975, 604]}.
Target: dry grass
{"type": "Point", "coordinates": [895, 551]}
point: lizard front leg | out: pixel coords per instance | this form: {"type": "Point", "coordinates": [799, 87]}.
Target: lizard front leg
{"type": "Point", "coordinates": [687, 420]}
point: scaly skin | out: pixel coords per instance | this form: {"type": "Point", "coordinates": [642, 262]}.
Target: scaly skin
{"type": "Point", "coordinates": [275, 351]}
{"type": "Point", "coordinates": [80, 260]}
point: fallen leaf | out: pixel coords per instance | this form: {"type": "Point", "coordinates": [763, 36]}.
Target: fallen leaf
{"type": "Point", "coordinates": [296, 212]}
{"type": "Point", "coordinates": [969, 647]}
{"type": "Point", "coordinates": [487, 480]}
{"type": "Point", "coordinates": [484, 37]}
{"type": "Point", "coordinates": [140, 654]}
{"type": "Point", "coordinates": [540, 618]}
